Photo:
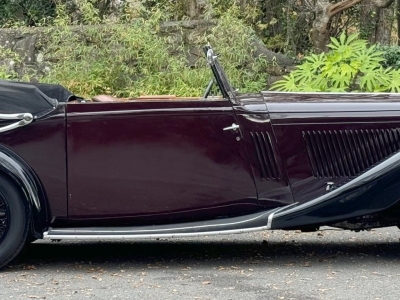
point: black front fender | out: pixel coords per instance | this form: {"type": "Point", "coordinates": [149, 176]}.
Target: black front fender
{"type": "Point", "coordinates": [14, 167]}
{"type": "Point", "coordinates": [375, 190]}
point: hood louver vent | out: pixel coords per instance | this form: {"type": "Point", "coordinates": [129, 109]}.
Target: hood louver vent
{"type": "Point", "coordinates": [346, 153]}
{"type": "Point", "coordinates": [265, 154]}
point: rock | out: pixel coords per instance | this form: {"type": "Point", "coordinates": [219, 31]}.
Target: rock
{"type": "Point", "coordinates": [25, 47]}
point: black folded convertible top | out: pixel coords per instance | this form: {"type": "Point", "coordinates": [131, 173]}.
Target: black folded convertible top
{"type": "Point", "coordinates": [35, 98]}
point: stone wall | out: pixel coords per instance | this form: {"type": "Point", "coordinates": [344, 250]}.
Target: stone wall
{"type": "Point", "coordinates": [30, 44]}
{"type": "Point", "coordinates": [26, 44]}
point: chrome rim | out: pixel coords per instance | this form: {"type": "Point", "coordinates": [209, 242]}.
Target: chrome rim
{"type": "Point", "coordinates": [4, 218]}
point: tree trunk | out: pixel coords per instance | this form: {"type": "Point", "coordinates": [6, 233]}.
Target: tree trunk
{"type": "Point", "coordinates": [324, 11]}
{"type": "Point", "coordinates": [290, 27]}
{"type": "Point", "coordinates": [368, 20]}
{"type": "Point", "coordinates": [319, 34]}
{"type": "Point", "coordinates": [376, 21]}
{"type": "Point", "coordinates": [398, 22]}
{"type": "Point", "coordinates": [384, 25]}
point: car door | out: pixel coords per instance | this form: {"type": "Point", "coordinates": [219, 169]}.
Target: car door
{"type": "Point", "coordinates": [156, 161]}
{"type": "Point", "coordinates": [273, 189]}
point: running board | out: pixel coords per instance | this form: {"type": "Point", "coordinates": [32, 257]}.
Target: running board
{"type": "Point", "coordinates": [248, 223]}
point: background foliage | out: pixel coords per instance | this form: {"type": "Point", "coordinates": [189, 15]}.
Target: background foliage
{"type": "Point", "coordinates": [350, 66]}
{"type": "Point", "coordinates": [124, 55]}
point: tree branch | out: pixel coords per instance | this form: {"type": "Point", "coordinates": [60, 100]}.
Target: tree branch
{"type": "Point", "coordinates": [382, 3]}
{"type": "Point", "coordinates": [336, 8]}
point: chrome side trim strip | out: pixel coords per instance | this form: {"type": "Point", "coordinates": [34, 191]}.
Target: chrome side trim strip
{"type": "Point", "coordinates": [88, 236]}
{"type": "Point", "coordinates": [140, 111]}
{"type": "Point", "coordinates": [331, 93]}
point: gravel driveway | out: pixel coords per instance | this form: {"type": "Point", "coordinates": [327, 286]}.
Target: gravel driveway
{"type": "Point", "coordinates": [330, 264]}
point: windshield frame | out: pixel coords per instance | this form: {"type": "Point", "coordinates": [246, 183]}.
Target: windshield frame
{"type": "Point", "coordinates": [220, 76]}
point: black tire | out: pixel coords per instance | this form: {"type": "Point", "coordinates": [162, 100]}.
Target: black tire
{"type": "Point", "coordinates": [14, 221]}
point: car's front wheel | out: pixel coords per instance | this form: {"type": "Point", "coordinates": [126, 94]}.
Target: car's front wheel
{"type": "Point", "coordinates": [14, 223]}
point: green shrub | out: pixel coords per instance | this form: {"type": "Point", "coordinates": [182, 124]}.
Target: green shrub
{"type": "Point", "coordinates": [12, 59]}
{"type": "Point", "coordinates": [125, 60]}
{"type": "Point", "coordinates": [4, 74]}
{"type": "Point", "coordinates": [246, 71]}
{"type": "Point", "coordinates": [25, 13]}
{"type": "Point", "coordinates": [128, 58]}
{"type": "Point", "coordinates": [391, 55]}
{"type": "Point", "coordinates": [350, 66]}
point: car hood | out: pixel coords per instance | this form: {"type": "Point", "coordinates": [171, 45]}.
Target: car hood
{"type": "Point", "coordinates": [330, 102]}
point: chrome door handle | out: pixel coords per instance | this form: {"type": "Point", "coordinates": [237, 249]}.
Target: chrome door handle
{"type": "Point", "coordinates": [233, 127]}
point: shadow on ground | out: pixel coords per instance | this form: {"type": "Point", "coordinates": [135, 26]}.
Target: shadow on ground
{"type": "Point", "coordinates": [212, 251]}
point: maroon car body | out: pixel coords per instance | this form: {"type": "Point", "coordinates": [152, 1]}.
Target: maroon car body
{"type": "Point", "coordinates": [164, 167]}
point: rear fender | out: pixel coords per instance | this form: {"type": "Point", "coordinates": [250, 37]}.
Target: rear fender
{"type": "Point", "coordinates": [14, 167]}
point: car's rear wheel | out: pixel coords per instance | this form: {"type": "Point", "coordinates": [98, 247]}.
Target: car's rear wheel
{"type": "Point", "coordinates": [13, 222]}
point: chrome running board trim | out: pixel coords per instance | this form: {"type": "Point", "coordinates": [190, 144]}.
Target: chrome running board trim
{"type": "Point", "coordinates": [278, 210]}
{"type": "Point", "coordinates": [49, 235]}
{"type": "Point", "coordinates": [249, 223]}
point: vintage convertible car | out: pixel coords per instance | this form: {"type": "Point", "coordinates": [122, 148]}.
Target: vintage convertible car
{"type": "Point", "coordinates": [173, 167]}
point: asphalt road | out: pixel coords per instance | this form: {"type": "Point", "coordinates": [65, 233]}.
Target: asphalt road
{"type": "Point", "coordinates": [330, 264]}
